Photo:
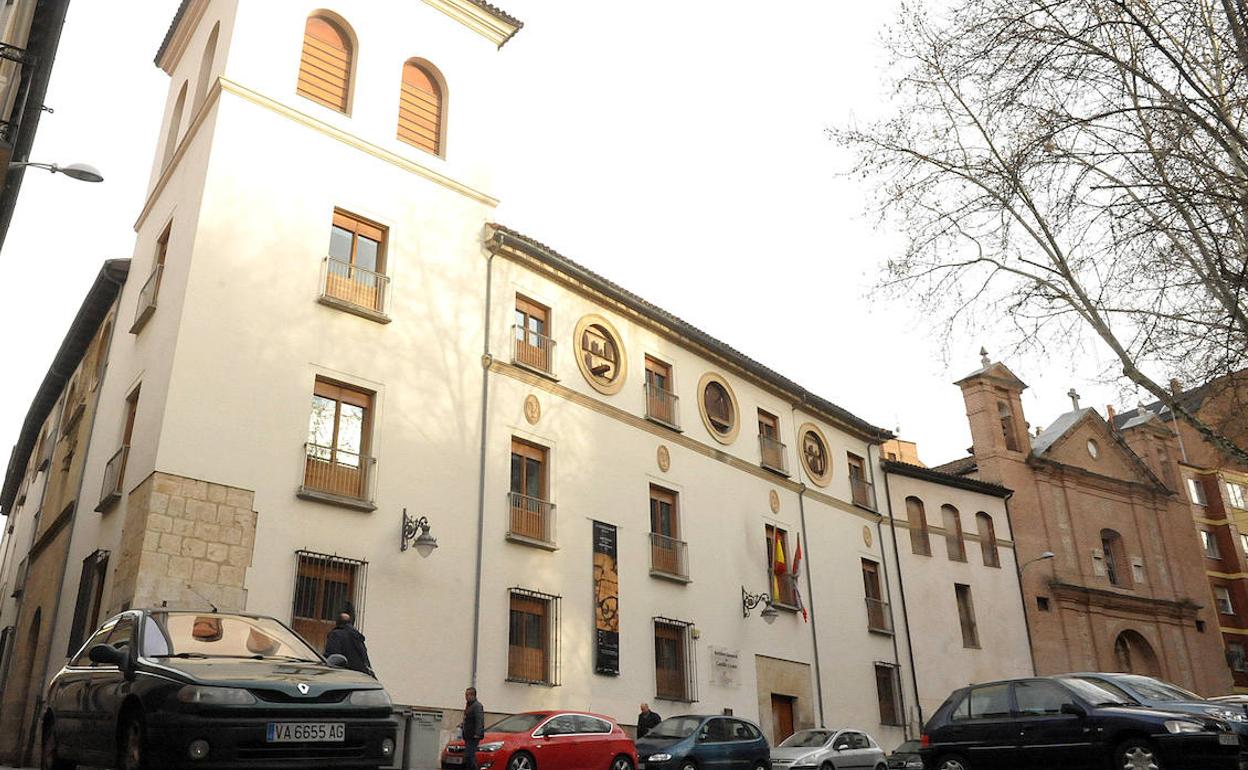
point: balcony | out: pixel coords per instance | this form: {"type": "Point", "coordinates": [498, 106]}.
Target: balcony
{"type": "Point", "coordinates": [661, 406]}
{"type": "Point", "coordinates": [669, 558]}
{"type": "Point", "coordinates": [532, 350]}
{"type": "Point", "coordinates": [772, 455]}
{"type": "Point", "coordinates": [879, 616]}
{"type": "Point", "coordinates": [531, 521]}
{"type": "Point", "coordinates": [147, 299]}
{"type": "Point", "coordinates": [863, 492]}
{"type": "Point", "coordinates": [114, 473]}
{"type": "Point", "coordinates": [338, 477]}
{"type": "Point", "coordinates": [353, 289]}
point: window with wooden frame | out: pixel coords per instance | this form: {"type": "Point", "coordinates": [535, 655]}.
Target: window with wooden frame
{"type": "Point", "coordinates": [1222, 598]}
{"type": "Point", "coordinates": [421, 107]}
{"type": "Point", "coordinates": [1114, 554]}
{"type": "Point", "coordinates": [966, 615]}
{"type": "Point", "coordinates": [150, 291]}
{"type": "Point", "coordinates": [878, 617]}
{"type": "Point", "coordinates": [1196, 491]}
{"type": "Point", "coordinates": [779, 576]}
{"type": "Point", "coordinates": [920, 538]}
{"type": "Point", "coordinates": [667, 550]}
{"type": "Point", "coordinates": [325, 65]}
{"type": "Point", "coordinates": [861, 490]}
{"type": "Point", "coordinates": [355, 269]}
{"type": "Point", "coordinates": [532, 346]}
{"type": "Point", "coordinates": [339, 434]}
{"type": "Point", "coordinates": [1008, 430]}
{"type": "Point", "coordinates": [955, 545]}
{"type": "Point", "coordinates": [115, 469]}
{"type": "Point", "coordinates": [887, 690]}
{"type": "Point", "coordinates": [90, 594]}
{"type": "Point", "coordinates": [532, 515]}
{"type": "Point", "coordinates": [987, 540]}
{"type": "Point", "coordinates": [326, 585]}
{"type": "Point", "coordinates": [533, 637]}
{"type": "Point", "coordinates": [674, 667]}
{"type": "Point", "coordinates": [770, 447]}
{"type": "Point", "coordinates": [660, 400]}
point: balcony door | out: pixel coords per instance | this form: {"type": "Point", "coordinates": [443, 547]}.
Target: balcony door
{"type": "Point", "coordinates": [532, 337]}
{"type": "Point", "coordinates": [664, 531]}
{"type": "Point", "coordinates": [659, 402]}
{"type": "Point", "coordinates": [355, 262]}
{"type": "Point", "coordinates": [337, 440]}
{"type": "Point", "coordinates": [529, 509]}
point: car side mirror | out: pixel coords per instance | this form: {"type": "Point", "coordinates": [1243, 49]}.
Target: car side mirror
{"type": "Point", "coordinates": [337, 660]}
{"type": "Point", "coordinates": [1074, 709]}
{"type": "Point", "coordinates": [107, 655]}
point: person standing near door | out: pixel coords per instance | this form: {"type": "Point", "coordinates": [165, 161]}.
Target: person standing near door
{"type": "Point", "coordinates": [646, 720]}
{"type": "Point", "coordinates": [473, 727]}
{"type": "Point", "coordinates": [347, 641]}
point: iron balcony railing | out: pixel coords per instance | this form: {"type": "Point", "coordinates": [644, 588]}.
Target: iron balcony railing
{"type": "Point", "coordinates": [863, 492]}
{"type": "Point", "coordinates": [114, 471]}
{"type": "Point", "coordinates": [661, 406]}
{"type": "Point", "coordinates": [879, 616]}
{"type": "Point", "coordinates": [147, 299]}
{"type": "Point", "coordinates": [532, 350]}
{"type": "Point", "coordinates": [773, 454]}
{"type": "Point", "coordinates": [338, 472]}
{"type": "Point", "coordinates": [354, 285]}
{"type": "Point", "coordinates": [530, 518]}
{"type": "Point", "coordinates": [668, 556]}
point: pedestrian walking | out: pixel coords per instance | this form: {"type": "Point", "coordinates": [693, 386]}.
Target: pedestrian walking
{"type": "Point", "coordinates": [473, 727]}
{"type": "Point", "coordinates": [646, 720]}
{"type": "Point", "coordinates": [346, 640]}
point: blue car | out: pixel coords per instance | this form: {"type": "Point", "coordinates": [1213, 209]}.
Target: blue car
{"type": "Point", "coordinates": [691, 742]}
{"type": "Point", "coordinates": [1156, 694]}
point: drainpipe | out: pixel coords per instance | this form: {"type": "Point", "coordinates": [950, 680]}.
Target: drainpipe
{"type": "Point", "coordinates": [1022, 597]}
{"type": "Point", "coordinates": [810, 593]}
{"type": "Point", "coordinates": [486, 360]}
{"type": "Point", "coordinates": [905, 613]}
{"type": "Point", "coordinates": [888, 591]}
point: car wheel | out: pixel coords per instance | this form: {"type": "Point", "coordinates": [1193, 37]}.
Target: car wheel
{"type": "Point", "coordinates": [952, 763]}
{"type": "Point", "coordinates": [621, 763]}
{"type": "Point", "coordinates": [521, 761]}
{"type": "Point", "coordinates": [49, 757]}
{"type": "Point", "coordinates": [1137, 754]}
{"type": "Point", "coordinates": [687, 765]}
{"type": "Point", "coordinates": [132, 748]}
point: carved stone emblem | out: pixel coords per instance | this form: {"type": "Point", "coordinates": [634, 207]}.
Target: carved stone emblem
{"type": "Point", "coordinates": [665, 459]}
{"type": "Point", "coordinates": [774, 498]}
{"type": "Point", "coordinates": [532, 409]}
{"type": "Point", "coordinates": [866, 535]}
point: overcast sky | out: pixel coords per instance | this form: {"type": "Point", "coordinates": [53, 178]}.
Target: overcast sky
{"type": "Point", "coordinates": [678, 148]}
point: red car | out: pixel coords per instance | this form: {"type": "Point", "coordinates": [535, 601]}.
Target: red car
{"type": "Point", "coordinates": [549, 740]}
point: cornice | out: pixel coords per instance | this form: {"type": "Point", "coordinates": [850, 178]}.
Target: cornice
{"type": "Point", "coordinates": [1113, 600]}
{"type": "Point", "coordinates": [179, 35]}
{"type": "Point", "coordinates": [489, 22]}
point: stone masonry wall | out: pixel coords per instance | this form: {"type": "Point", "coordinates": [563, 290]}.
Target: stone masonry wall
{"type": "Point", "coordinates": [181, 531]}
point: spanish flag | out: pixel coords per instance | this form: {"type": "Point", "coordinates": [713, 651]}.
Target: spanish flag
{"type": "Point", "coordinates": [779, 567]}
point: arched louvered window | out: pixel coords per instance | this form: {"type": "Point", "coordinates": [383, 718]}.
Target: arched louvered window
{"type": "Point", "coordinates": [175, 124]}
{"type": "Point", "coordinates": [955, 546]}
{"type": "Point", "coordinates": [987, 540]}
{"type": "Point", "coordinates": [421, 106]}
{"type": "Point", "coordinates": [920, 541]}
{"type": "Point", "coordinates": [205, 68]}
{"type": "Point", "coordinates": [325, 68]}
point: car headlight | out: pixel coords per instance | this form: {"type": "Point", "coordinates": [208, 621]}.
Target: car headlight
{"type": "Point", "coordinates": [1230, 716]}
{"type": "Point", "coordinates": [658, 757]}
{"type": "Point", "coordinates": [915, 762]}
{"type": "Point", "coordinates": [488, 747]}
{"type": "Point", "coordinates": [215, 696]}
{"type": "Point", "coordinates": [1178, 726]}
{"type": "Point", "coordinates": [369, 698]}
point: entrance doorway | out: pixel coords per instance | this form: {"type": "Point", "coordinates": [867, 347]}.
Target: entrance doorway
{"type": "Point", "coordinates": [781, 717]}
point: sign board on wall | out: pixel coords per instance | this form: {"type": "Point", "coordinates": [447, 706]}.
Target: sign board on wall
{"type": "Point", "coordinates": [724, 667]}
{"type": "Point", "coordinates": [606, 600]}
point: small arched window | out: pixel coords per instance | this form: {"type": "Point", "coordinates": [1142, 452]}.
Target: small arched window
{"type": "Point", "coordinates": [954, 545]}
{"type": "Point", "coordinates": [920, 541]}
{"type": "Point", "coordinates": [205, 68]}
{"type": "Point", "coordinates": [1115, 555]}
{"type": "Point", "coordinates": [175, 124]}
{"type": "Point", "coordinates": [421, 107]}
{"type": "Point", "coordinates": [987, 539]}
{"type": "Point", "coordinates": [325, 67]}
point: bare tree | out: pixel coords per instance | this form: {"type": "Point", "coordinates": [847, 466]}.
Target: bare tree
{"type": "Point", "coordinates": [1076, 166]}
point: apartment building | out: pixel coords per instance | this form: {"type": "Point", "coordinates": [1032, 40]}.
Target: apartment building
{"type": "Point", "coordinates": [329, 348]}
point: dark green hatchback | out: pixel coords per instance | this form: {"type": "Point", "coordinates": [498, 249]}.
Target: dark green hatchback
{"type": "Point", "coordinates": [165, 688]}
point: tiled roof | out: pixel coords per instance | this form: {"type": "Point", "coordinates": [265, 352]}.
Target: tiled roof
{"type": "Point", "coordinates": [173, 26]}
{"type": "Point", "coordinates": [1049, 436]}
{"type": "Point", "coordinates": [556, 260]}
{"type": "Point", "coordinates": [948, 479]}
{"type": "Point", "coordinates": [1190, 399]}
{"type": "Point", "coordinates": [500, 13]}
{"type": "Point", "coordinates": [959, 467]}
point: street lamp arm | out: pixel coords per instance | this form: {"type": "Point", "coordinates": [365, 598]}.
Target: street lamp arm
{"type": "Point", "coordinates": [80, 171]}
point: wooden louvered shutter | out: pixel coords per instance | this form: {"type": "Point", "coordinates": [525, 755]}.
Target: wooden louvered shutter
{"type": "Point", "coordinates": [420, 109]}
{"type": "Point", "coordinates": [325, 69]}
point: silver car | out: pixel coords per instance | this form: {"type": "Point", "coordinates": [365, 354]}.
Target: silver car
{"type": "Point", "coordinates": [828, 749]}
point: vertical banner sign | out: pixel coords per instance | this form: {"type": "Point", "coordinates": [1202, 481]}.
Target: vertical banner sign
{"type": "Point", "coordinates": [606, 601]}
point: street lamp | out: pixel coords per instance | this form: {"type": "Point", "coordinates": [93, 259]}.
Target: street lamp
{"type": "Point", "coordinates": [80, 171]}
{"type": "Point", "coordinates": [1042, 557]}
{"type": "Point", "coordinates": [749, 601]}
{"type": "Point", "coordinates": [425, 543]}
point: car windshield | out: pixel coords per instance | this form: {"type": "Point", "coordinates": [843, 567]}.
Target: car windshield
{"type": "Point", "coordinates": [1155, 689]}
{"type": "Point", "coordinates": [675, 727]}
{"type": "Point", "coordinates": [217, 635]}
{"type": "Point", "coordinates": [806, 739]}
{"type": "Point", "coordinates": [516, 723]}
{"type": "Point", "coordinates": [1097, 693]}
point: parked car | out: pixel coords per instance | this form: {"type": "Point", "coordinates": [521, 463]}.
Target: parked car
{"type": "Point", "coordinates": [692, 742]}
{"type": "Point", "coordinates": [906, 757]}
{"type": "Point", "coordinates": [167, 688]}
{"type": "Point", "coordinates": [826, 749]}
{"type": "Point", "coordinates": [1234, 701]}
{"type": "Point", "coordinates": [1157, 694]}
{"type": "Point", "coordinates": [549, 740]}
{"type": "Point", "coordinates": [1043, 723]}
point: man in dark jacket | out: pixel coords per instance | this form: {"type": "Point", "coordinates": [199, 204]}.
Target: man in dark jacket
{"type": "Point", "coordinates": [646, 720]}
{"type": "Point", "coordinates": [473, 727]}
{"type": "Point", "coordinates": [347, 641]}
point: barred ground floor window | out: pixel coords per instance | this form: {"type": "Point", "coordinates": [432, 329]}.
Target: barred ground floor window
{"type": "Point", "coordinates": [675, 673]}
{"type": "Point", "coordinates": [325, 585]}
{"type": "Point", "coordinates": [532, 637]}
{"type": "Point", "coordinates": [888, 689]}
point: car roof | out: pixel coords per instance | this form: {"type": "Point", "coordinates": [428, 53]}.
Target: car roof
{"type": "Point", "coordinates": [197, 611]}
{"type": "Point", "coordinates": [560, 712]}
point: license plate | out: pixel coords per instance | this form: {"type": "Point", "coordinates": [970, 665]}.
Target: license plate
{"type": "Point", "coordinates": [454, 760]}
{"type": "Point", "coordinates": [306, 732]}
{"type": "Point", "coordinates": [1228, 739]}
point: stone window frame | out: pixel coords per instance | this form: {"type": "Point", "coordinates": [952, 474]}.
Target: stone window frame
{"type": "Point", "coordinates": [723, 437]}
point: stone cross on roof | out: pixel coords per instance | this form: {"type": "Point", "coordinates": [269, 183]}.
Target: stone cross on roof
{"type": "Point", "coordinates": [983, 356]}
{"type": "Point", "coordinates": [1074, 398]}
